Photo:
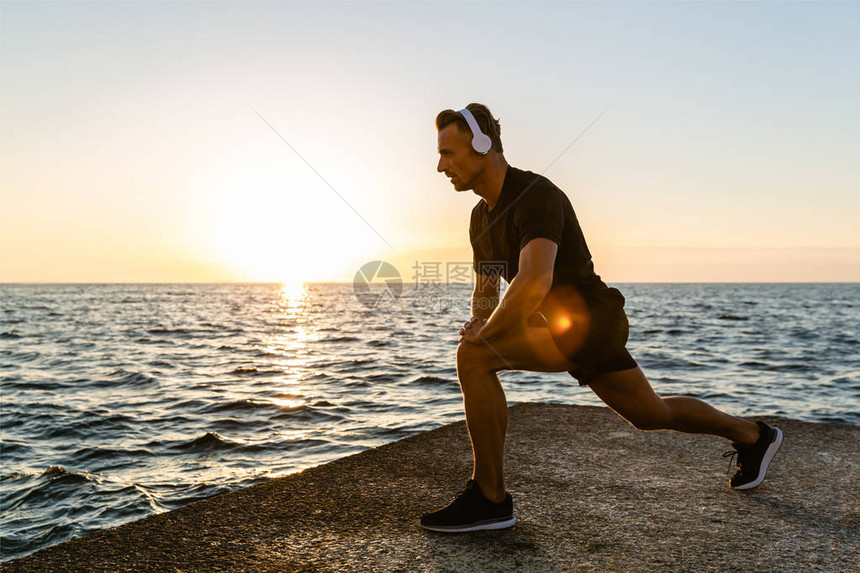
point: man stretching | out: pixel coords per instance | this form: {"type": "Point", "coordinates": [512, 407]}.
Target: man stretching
{"type": "Point", "coordinates": [557, 315]}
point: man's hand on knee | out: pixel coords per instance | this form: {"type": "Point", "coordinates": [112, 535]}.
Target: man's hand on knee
{"type": "Point", "coordinates": [470, 329]}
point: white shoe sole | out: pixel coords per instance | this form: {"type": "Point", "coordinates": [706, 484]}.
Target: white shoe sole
{"type": "Point", "coordinates": [478, 526]}
{"type": "Point", "coordinates": [765, 462]}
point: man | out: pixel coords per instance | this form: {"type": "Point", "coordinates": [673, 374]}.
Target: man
{"type": "Point", "coordinates": [556, 316]}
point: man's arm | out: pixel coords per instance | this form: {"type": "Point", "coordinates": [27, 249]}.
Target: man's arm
{"type": "Point", "coordinates": [485, 297]}
{"type": "Point", "coordinates": [526, 291]}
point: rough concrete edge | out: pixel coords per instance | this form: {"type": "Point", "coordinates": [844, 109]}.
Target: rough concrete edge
{"type": "Point", "coordinates": [311, 471]}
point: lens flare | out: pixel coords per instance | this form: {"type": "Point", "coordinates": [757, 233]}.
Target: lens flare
{"type": "Point", "coordinates": [562, 324]}
{"type": "Point", "coordinates": [569, 318]}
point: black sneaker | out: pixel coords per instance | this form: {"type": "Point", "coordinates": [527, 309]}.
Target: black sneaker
{"type": "Point", "coordinates": [753, 459]}
{"type": "Point", "coordinates": [471, 511]}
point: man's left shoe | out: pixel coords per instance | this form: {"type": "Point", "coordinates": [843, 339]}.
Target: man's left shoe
{"type": "Point", "coordinates": [753, 459]}
{"type": "Point", "coordinates": [471, 511]}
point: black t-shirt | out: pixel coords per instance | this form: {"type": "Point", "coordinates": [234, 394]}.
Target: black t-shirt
{"type": "Point", "coordinates": [529, 207]}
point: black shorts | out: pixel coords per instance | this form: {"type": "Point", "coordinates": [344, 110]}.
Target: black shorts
{"type": "Point", "coordinates": [601, 346]}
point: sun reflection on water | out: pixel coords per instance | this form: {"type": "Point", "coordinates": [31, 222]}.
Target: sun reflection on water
{"type": "Point", "coordinates": [290, 435]}
{"type": "Point", "coordinates": [294, 293]}
{"type": "Point", "coordinates": [286, 348]}
{"type": "Point", "coordinates": [291, 404]}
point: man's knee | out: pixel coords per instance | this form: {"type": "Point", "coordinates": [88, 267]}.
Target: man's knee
{"type": "Point", "coordinates": [654, 417]}
{"type": "Point", "coordinates": [468, 356]}
{"type": "Point", "coordinates": [473, 357]}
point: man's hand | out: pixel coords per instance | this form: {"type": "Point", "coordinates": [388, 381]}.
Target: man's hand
{"type": "Point", "coordinates": [470, 330]}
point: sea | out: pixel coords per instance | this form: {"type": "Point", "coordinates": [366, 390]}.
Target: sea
{"type": "Point", "coordinates": [119, 401]}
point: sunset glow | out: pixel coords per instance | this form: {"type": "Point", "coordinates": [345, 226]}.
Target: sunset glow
{"type": "Point", "coordinates": [163, 142]}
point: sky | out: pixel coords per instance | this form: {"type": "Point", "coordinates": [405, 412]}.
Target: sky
{"type": "Point", "coordinates": [287, 142]}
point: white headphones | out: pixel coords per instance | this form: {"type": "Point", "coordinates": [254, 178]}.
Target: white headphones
{"type": "Point", "coordinates": [480, 142]}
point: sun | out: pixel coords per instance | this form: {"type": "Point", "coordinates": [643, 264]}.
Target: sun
{"type": "Point", "coordinates": [270, 220]}
{"type": "Point", "coordinates": [293, 289]}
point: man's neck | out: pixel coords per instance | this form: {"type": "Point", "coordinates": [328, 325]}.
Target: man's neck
{"type": "Point", "coordinates": [492, 180]}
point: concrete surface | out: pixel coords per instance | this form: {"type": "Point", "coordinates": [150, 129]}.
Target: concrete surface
{"type": "Point", "coordinates": [590, 493]}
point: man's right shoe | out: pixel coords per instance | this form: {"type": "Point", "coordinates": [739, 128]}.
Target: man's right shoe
{"type": "Point", "coordinates": [471, 511]}
{"type": "Point", "coordinates": [753, 459]}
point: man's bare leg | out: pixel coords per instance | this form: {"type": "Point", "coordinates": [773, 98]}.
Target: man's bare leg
{"type": "Point", "coordinates": [629, 394]}
{"type": "Point", "coordinates": [487, 421]}
{"type": "Point", "coordinates": [484, 401]}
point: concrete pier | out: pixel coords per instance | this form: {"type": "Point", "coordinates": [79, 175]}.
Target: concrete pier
{"type": "Point", "coordinates": [590, 492]}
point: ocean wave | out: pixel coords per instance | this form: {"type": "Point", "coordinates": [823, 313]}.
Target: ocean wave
{"type": "Point", "coordinates": [28, 356]}
{"type": "Point", "coordinates": [58, 472]}
{"type": "Point", "coordinates": [254, 371]}
{"type": "Point", "coordinates": [225, 327]}
{"type": "Point", "coordinates": [394, 433]}
{"type": "Point", "coordinates": [803, 334]}
{"type": "Point", "coordinates": [306, 413]}
{"type": "Point", "coordinates": [183, 495]}
{"type": "Point", "coordinates": [850, 383]}
{"type": "Point", "coordinates": [15, 450]}
{"type": "Point", "coordinates": [181, 332]}
{"type": "Point", "coordinates": [431, 381]}
{"type": "Point", "coordinates": [356, 383]}
{"type": "Point", "coordinates": [268, 354]}
{"type": "Point", "coordinates": [712, 395]}
{"type": "Point", "coordinates": [129, 501]}
{"type": "Point", "coordinates": [92, 424]}
{"type": "Point", "coordinates": [37, 536]}
{"type": "Point", "coordinates": [40, 385]}
{"type": "Point", "coordinates": [339, 339]}
{"type": "Point", "coordinates": [214, 442]}
{"type": "Point", "coordinates": [381, 377]}
{"type": "Point", "coordinates": [55, 480]}
{"type": "Point", "coordinates": [672, 363]}
{"type": "Point", "coordinates": [122, 377]}
{"type": "Point", "coordinates": [98, 453]}
{"type": "Point", "coordinates": [238, 424]}
{"type": "Point", "coordinates": [845, 339]}
{"type": "Point", "coordinates": [155, 341]}
{"type": "Point", "coordinates": [238, 406]}
{"type": "Point", "coordinates": [355, 364]}
{"type": "Point", "coordinates": [794, 367]}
